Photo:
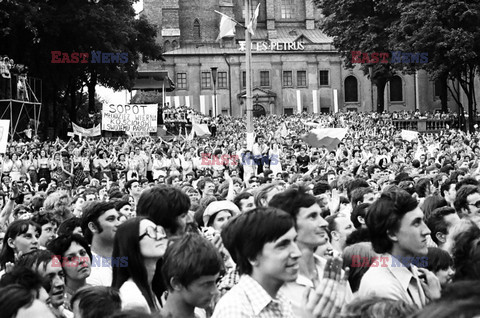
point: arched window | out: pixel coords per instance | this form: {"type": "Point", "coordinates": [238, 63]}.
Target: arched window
{"type": "Point", "coordinates": [196, 29]}
{"type": "Point", "coordinates": [396, 89]}
{"type": "Point", "coordinates": [166, 46]}
{"type": "Point", "coordinates": [351, 89]}
{"type": "Point", "coordinates": [174, 44]}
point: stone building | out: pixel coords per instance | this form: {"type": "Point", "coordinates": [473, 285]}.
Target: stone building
{"type": "Point", "coordinates": [294, 65]}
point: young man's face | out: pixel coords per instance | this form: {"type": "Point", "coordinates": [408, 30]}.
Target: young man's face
{"type": "Point", "coordinates": [278, 261]}
{"type": "Point", "coordinates": [209, 189]}
{"type": "Point", "coordinates": [411, 237]}
{"type": "Point", "coordinates": [55, 275]}
{"type": "Point", "coordinates": [247, 204]}
{"type": "Point", "coordinates": [108, 222]}
{"type": "Point", "coordinates": [473, 204]}
{"type": "Point", "coordinates": [49, 232]}
{"type": "Point", "coordinates": [311, 226]}
{"type": "Point", "coordinates": [201, 291]}
{"type": "Point", "coordinates": [136, 189]}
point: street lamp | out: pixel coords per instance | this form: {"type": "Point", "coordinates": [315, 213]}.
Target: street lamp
{"type": "Point", "coordinates": [214, 79]}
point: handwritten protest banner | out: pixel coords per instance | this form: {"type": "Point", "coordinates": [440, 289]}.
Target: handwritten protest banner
{"type": "Point", "coordinates": [133, 119]}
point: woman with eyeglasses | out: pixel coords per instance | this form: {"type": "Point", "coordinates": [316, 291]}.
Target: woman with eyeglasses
{"type": "Point", "coordinates": [142, 243]}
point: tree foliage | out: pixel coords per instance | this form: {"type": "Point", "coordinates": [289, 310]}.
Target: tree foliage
{"type": "Point", "coordinates": [35, 28]}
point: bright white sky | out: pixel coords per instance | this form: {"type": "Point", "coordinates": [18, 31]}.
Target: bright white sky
{"type": "Point", "coordinates": [121, 97]}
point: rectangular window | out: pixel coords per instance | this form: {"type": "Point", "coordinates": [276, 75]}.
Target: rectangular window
{"type": "Point", "coordinates": [265, 78]}
{"type": "Point", "coordinates": [301, 78]}
{"type": "Point", "coordinates": [206, 80]}
{"type": "Point", "coordinates": [287, 9]}
{"type": "Point", "coordinates": [324, 78]}
{"type": "Point", "coordinates": [288, 111]}
{"type": "Point", "coordinates": [182, 80]}
{"type": "Point", "coordinates": [287, 79]}
{"type": "Point", "coordinates": [244, 79]}
{"type": "Point", "coordinates": [222, 80]}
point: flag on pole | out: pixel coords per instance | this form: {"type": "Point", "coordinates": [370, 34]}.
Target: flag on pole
{"type": "Point", "coordinates": [227, 26]}
{"type": "Point", "coordinates": [252, 26]}
{"type": "Point", "coordinates": [326, 137]}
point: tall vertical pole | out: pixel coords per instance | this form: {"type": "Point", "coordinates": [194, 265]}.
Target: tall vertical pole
{"type": "Point", "coordinates": [248, 62]}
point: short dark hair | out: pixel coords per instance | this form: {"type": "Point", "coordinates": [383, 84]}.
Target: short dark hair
{"type": "Point", "coordinates": [358, 194]}
{"type": "Point", "coordinates": [292, 200]}
{"type": "Point", "coordinates": [466, 254]}
{"type": "Point", "coordinates": [446, 186]}
{"type": "Point", "coordinates": [466, 181]}
{"type": "Point", "coordinates": [462, 194]}
{"type": "Point", "coordinates": [421, 187]}
{"type": "Point", "coordinates": [436, 222]}
{"type": "Point", "coordinates": [354, 184]}
{"type": "Point", "coordinates": [241, 196]}
{"type": "Point", "coordinates": [321, 187]}
{"type": "Point", "coordinates": [69, 225]}
{"type": "Point", "coordinates": [128, 184]}
{"type": "Point", "coordinates": [163, 205]}
{"type": "Point", "coordinates": [438, 259]}
{"type": "Point", "coordinates": [97, 301]}
{"type": "Point", "coordinates": [261, 225]}
{"type": "Point", "coordinates": [91, 213]}
{"type": "Point", "coordinates": [189, 258]}
{"type": "Point", "coordinates": [62, 243]}
{"type": "Point", "coordinates": [13, 298]}
{"type": "Point", "coordinates": [359, 210]}
{"type": "Point", "coordinates": [23, 276]}
{"type": "Point", "coordinates": [44, 218]}
{"type": "Point", "coordinates": [35, 259]}
{"type": "Point", "coordinates": [385, 215]}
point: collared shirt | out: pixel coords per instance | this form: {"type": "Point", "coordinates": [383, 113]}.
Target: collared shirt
{"type": "Point", "coordinates": [393, 281]}
{"type": "Point", "coordinates": [101, 273]}
{"type": "Point", "coordinates": [249, 299]}
{"type": "Point", "coordinates": [295, 291]}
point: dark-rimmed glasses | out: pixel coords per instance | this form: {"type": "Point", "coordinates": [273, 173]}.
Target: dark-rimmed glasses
{"type": "Point", "coordinates": [157, 233]}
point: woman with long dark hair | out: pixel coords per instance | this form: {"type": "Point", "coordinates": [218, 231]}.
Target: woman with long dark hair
{"type": "Point", "coordinates": [21, 237]}
{"type": "Point", "coordinates": [139, 244]}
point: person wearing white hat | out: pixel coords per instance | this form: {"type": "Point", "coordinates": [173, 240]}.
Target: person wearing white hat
{"type": "Point", "coordinates": [218, 213]}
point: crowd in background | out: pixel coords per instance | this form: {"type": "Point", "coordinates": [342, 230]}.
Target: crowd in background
{"type": "Point", "coordinates": [376, 226]}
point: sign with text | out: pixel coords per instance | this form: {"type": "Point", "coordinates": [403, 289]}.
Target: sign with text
{"type": "Point", "coordinates": [131, 118]}
{"type": "Point", "coordinates": [273, 46]}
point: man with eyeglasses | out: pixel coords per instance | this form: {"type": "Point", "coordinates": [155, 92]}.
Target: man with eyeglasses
{"type": "Point", "coordinates": [467, 202]}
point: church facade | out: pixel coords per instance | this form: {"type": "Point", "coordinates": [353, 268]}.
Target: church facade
{"type": "Point", "coordinates": [294, 64]}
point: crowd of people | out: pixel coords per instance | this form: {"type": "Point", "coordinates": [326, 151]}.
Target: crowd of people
{"type": "Point", "coordinates": [377, 226]}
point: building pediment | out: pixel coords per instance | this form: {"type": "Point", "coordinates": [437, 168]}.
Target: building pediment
{"type": "Point", "coordinates": [258, 92]}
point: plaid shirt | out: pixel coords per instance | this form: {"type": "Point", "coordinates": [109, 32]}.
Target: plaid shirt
{"type": "Point", "coordinates": [248, 299]}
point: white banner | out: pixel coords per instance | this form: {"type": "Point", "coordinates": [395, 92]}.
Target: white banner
{"type": "Point", "coordinates": [335, 101]}
{"type": "Point", "coordinates": [187, 101]}
{"type": "Point", "coordinates": [176, 100]}
{"type": "Point", "coordinates": [299, 102]}
{"type": "Point", "coordinates": [202, 105]}
{"type": "Point", "coordinates": [4, 129]}
{"type": "Point", "coordinates": [131, 118]}
{"type": "Point", "coordinates": [315, 101]}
